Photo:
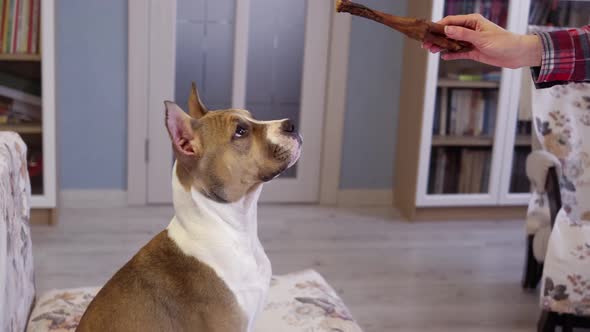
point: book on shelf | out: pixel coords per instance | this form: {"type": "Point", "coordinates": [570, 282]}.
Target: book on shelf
{"type": "Point", "coordinates": [25, 112]}
{"type": "Point", "coordinates": [472, 171]}
{"type": "Point", "coordinates": [476, 172]}
{"type": "Point", "coordinates": [32, 87]}
{"type": "Point", "coordinates": [484, 160]}
{"type": "Point", "coordinates": [486, 169]}
{"type": "Point", "coordinates": [452, 115]}
{"type": "Point", "coordinates": [494, 10]}
{"type": "Point", "coordinates": [476, 122]}
{"type": "Point", "coordinates": [436, 124]}
{"type": "Point", "coordinates": [20, 96]}
{"type": "Point", "coordinates": [451, 176]}
{"type": "Point", "coordinates": [18, 105]}
{"type": "Point", "coordinates": [440, 166]}
{"type": "Point", "coordinates": [5, 105]}
{"type": "Point", "coordinates": [19, 26]}
{"type": "Point", "coordinates": [493, 76]}
{"type": "Point", "coordinates": [491, 106]}
{"type": "Point", "coordinates": [465, 112]}
{"type": "Point", "coordinates": [459, 171]}
{"type": "Point", "coordinates": [465, 172]}
{"type": "Point", "coordinates": [559, 13]}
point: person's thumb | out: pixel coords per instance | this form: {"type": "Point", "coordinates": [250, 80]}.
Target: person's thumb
{"type": "Point", "coordinates": [460, 33]}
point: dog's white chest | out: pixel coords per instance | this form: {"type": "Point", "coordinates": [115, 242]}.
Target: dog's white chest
{"type": "Point", "coordinates": [251, 282]}
{"type": "Point", "coordinates": [240, 261]}
{"type": "Point", "coordinates": [225, 237]}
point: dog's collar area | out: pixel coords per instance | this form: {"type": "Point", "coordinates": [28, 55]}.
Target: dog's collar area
{"type": "Point", "coordinates": [194, 207]}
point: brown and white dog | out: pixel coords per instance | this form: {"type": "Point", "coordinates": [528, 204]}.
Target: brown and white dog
{"type": "Point", "coordinates": [207, 271]}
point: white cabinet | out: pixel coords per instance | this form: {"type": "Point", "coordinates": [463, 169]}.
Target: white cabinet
{"type": "Point", "coordinates": [47, 197]}
{"type": "Point", "coordinates": [28, 71]}
{"type": "Point", "coordinates": [472, 136]}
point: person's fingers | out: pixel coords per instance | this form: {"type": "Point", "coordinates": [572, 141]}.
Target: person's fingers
{"type": "Point", "coordinates": [469, 21]}
{"type": "Point", "coordinates": [435, 49]}
{"type": "Point", "coordinates": [454, 20]}
{"type": "Point", "coordinates": [463, 34]}
{"type": "Point", "coordinates": [459, 56]}
{"type": "Point", "coordinates": [431, 47]}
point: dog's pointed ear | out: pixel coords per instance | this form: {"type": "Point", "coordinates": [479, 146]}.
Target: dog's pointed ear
{"type": "Point", "coordinates": [196, 107]}
{"type": "Point", "coordinates": [180, 128]}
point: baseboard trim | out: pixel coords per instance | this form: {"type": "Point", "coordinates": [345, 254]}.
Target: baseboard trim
{"type": "Point", "coordinates": [92, 198]}
{"type": "Point", "coordinates": [470, 213]}
{"type": "Point", "coordinates": [365, 197]}
{"type": "Point", "coordinates": [46, 217]}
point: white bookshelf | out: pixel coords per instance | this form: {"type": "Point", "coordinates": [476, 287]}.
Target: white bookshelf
{"type": "Point", "coordinates": [42, 135]}
{"type": "Point", "coordinates": [427, 91]}
{"type": "Point", "coordinates": [48, 200]}
{"type": "Point", "coordinates": [451, 83]}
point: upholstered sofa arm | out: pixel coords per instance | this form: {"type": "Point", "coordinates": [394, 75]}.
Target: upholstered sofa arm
{"type": "Point", "coordinates": [17, 290]}
{"type": "Point", "coordinates": [538, 166]}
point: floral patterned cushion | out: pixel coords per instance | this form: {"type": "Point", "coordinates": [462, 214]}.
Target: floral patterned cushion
{"type": "Point", "coordinates": [304, 302]}
{"type": "Point", "coordinates": [562, 123]}
{"type": "Point", "coordinates": [60, 310]}
{"type": "Point", "coordinates": [17, 290]}
{"type": "Point", "coordinates": [298, 302]}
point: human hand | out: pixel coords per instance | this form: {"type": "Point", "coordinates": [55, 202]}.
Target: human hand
{"type": "Point", "coordinates": [492, 44]}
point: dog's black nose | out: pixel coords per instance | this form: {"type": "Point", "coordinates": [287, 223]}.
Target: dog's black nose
{"type": "Point", "coordinates": [288, 127]}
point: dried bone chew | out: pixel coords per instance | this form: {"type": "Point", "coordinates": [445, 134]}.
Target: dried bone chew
{"type": "Point", "coordinates": [415, 28]}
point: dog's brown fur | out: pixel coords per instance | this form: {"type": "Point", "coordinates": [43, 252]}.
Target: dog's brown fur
{"type": "Point", "coordinates": [175, 282]}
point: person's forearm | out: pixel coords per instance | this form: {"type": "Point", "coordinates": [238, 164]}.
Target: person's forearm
{"type": "Point", "coordinates": [556, 57]}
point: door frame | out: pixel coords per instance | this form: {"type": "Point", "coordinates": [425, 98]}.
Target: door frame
{"type": "Point", "coordinates": [506, 197]}
{"type": "Point", "coordinates": [144, 95]}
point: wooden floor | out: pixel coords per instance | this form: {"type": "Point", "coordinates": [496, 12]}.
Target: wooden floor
{"type": "Point", "coordinates": [394, 276]}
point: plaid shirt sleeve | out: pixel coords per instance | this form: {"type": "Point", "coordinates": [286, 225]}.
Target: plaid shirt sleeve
{"type": "Point", "coordinates": [566, 57]}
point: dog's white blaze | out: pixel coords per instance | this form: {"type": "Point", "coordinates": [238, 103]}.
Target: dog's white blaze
{"type": "Point", "coordinates": [225, 237]}
{"type": "Point", "coordinates": [276, 136]}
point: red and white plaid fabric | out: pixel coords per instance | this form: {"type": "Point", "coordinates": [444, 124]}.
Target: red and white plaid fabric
{"type": "Point", "coordinates": [566, 57]}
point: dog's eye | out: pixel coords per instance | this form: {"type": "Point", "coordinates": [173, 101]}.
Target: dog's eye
{"type": "Point", "coordinates": [240, 132]}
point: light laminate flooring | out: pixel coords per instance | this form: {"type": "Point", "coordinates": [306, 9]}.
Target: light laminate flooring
{"type": "Point", "coordinates": [393, 275]}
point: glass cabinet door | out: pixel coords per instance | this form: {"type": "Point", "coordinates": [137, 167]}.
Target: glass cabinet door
{"type": "Point", "coordinates": [559, 13]}
{"type": "Point", "coordinates": [205, 51]}
{"type": "Point", "coordinates": [466, 109]}
{"type": "Point", "coordinates": [276, 41]}
{"type": "Point", "coordinates": [275, 61]}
